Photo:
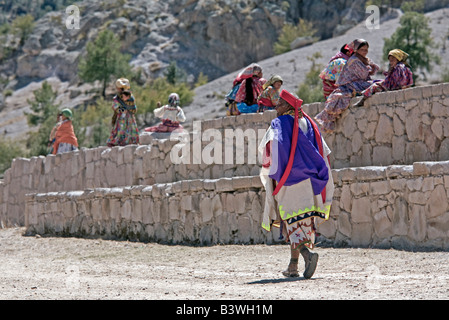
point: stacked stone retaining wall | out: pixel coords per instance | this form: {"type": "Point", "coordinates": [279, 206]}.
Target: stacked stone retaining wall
{"type": "Point", "coordinates": [402, 207]}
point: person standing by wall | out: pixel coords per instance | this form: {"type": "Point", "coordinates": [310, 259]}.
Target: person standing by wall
{"type": "Point", "coordinates": [124, 125]}
{"type": "Point", "coordinates": [65, 139]}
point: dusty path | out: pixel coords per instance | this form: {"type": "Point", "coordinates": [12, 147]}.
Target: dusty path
{"type": "Point", "coordinates": [70, 268]}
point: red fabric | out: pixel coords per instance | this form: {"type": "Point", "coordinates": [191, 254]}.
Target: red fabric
{"type": "Point", "coordinates": [265, 102]}
{"type": "Point", "coordinates": [65, 134]}
{"type": "Point", "coordinates": [266, 160]}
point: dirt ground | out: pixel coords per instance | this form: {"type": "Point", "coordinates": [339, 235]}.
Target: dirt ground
{"type": "Point", "coordinates": [47, 268]}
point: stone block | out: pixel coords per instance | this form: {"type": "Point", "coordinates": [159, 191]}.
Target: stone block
{"type": "Point", "coordinates": [398, 148]}
{"type": "Point", "coordinates": [417, 197]}
{"type": "Point", "coordinates": [437, 89]}
{"type": "Point", "coordinates": [137, 214]}
{"type": "Point", "coordinates": [382, 155]}
{"type": "Point", "coordinates": [382, 225]}
{"type": "Point", "coordinates": [438, 228]}
{"type": "Point", "coordinates": [346, 198]}
{"type": "Point", "coordinates": [240, 202]}
{"type": "Point", "coordinates": [344, 224]}
{"type": "Point", "coordinates": [398, 184]}
{"type": "Point", "coordinates": [359, 188]}
{"type": "Point", "coordinates": [361, 234]}
{"type": "Point", "coordinates": [384, 130]}
{"type": "Point", "coordinates": [126, 210]}
{"type": "Point", "coordinates": [206, 209]}
{"type": "Point", "coordinates": [147, 213]}
{"type": "Point", "coordinates": [413, 93]}
{"type": "Point", "coordinates": [241, 183]}
{"type": "Point", "coordinates": [186, 203]}
{"type": "Point", "coordinates": [380, 188]}
{"type": "Point", "coordinates": [174, 209]}
{"type": "Point", "coordinates": [361, 210]}
{"type": "Point", "coordinates": [417, 229]}
{"type": "Point", "coordinates": [421, 168]}
{"type": "Point", "coordinates": [400, 217]}
{"type": "Point", "coordinates": [416, 151]}
{"type": "Point", "coordinates": [328, 229]}
{"type": "Point", "coordinates": [224, 185]}
{"type": "Point", "coordinates": [437, 203]}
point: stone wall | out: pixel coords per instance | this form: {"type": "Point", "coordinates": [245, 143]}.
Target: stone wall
{"type": "Point", "coordinates": [403, 207]}
{"type": "Point", "coordinates": [395, 206]}
{"type": "Point", "coordinates": [394, 128]}
{"type": "Point", "coordinates": [398, 127]}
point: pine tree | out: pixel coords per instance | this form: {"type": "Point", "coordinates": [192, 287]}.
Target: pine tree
{"type": "Point", "coordinates": [44, 112]}
{"type": "Point", "coordinates": [414, 37]}
{"type": "Point", "coordinates": [104, 60]}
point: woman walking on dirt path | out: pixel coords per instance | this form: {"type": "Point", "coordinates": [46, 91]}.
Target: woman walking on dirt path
{"type": "Point", "coordinates": [297, 178]}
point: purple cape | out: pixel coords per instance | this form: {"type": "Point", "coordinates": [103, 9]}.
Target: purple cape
{"type": "Point", "coordinates": [307, 164]}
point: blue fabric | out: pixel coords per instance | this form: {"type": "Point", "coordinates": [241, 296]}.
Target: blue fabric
{"type": "Point", "coordinates": [307, 163]}
{"type": "Point", "coordinates": [231, 95]}
{"type": "Point", "coordinates": [244, 108]}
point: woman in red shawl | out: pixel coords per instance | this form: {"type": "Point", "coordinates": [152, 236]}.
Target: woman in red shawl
{"type": "Point", "coordinates": [65, 139]}
{"type": "Point", "coordinates": [252, 81]}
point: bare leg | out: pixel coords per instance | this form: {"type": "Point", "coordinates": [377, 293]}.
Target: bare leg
{"type": "Point", "coordinates": [292, 270]}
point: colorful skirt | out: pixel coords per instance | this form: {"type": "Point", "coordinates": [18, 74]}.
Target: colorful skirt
{"type": "Point", "coordinates": [301, 230]}
{"type": "Point", "coordinates": [231, 109]}
{"type": "Point", "coordinates": [372, 89]}
{"type": "Point", "coordinates": [125, 131]}
{"type": "Point", "coordinates": [66, 147]}
{"type": "Point", "coordinates": [337, 102]}
{"type": "Point", "coordinates": [328, 87]}
{"type": "Point", "coordinates": [166, 126]}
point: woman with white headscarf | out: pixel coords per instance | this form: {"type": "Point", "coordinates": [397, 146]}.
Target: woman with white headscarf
{"type": "Point", "coordinates": [171, 114]}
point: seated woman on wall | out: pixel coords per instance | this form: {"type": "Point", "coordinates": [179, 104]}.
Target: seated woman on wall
{"type": "Point", "coordinates": [65, 139]}
{"type": "Point", "coordinates": [269, 98]}
{"type": "Point", "coordinates": [251, 87]}
{"type": "Point", "coordinates": [333, 70]}
{"type": "Point", "coordinates": [399, 76]}
{"type": "Point", "coordinates": [355, 77]}
{"type": "Point", "coordinates": [171, 115]}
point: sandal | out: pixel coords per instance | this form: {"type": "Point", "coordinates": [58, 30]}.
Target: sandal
{"type": "Point", "coordinates": [291, 273]}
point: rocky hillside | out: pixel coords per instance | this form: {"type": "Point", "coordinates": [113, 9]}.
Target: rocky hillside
{"type": "Point", "coordinates": [215, 37]}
